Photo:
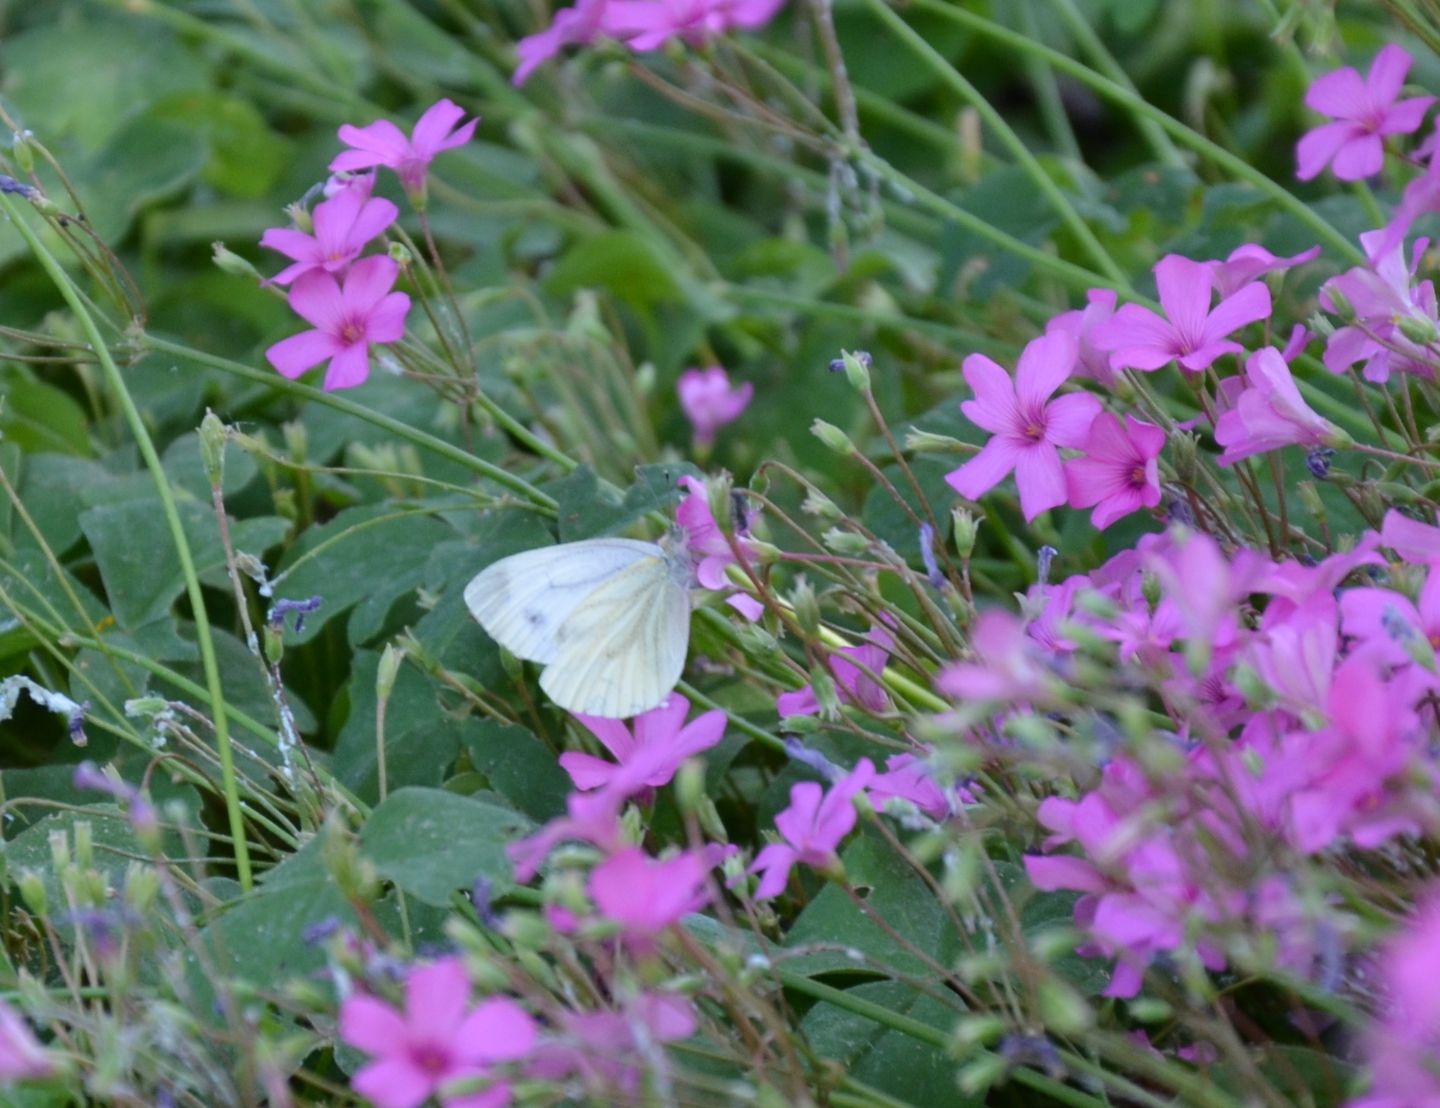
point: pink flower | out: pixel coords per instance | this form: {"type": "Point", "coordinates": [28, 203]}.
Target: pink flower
{"type": "Point", "coordinates": [1401, 1044]}
{"type": "Point", "coordinates": [1380, 296]}
{"type": "Point", "coordinates": [1009, 665]}
{"type": "Point", "coordinates": [1119, 471]}
{"type": "Point", "coordinates": [649, 757]}
{"type": "Point", "coordinates": [646, 896]}
{"type": "Point", "coordinates": [1420, 196]}
{"type": "Point", "coordinates": [571, 27]}
{"type": "Point", "coordinates": [1025, 424]}
{"type": "Point", "coordinates": [709, 401]}
{"type": "Point", "coordinates": [1270, 413]}
{"type": "Point", "coordinates": [1192, 334]}
{"type": "Point", "coordinates": [22, 1058]}
{"type": "Point", "coordinates": [1250, 262]}
{"type": "Point", "coordinates": [1389, 626]}
{"type": "Point", "coordinates": [708, 548]}
{"type": "Point", "coordinates": [645, 25]}
{"type": "Point", "coordinates": [1364, 111]}
{"type": "Point", "coordinates": [383, 143]}
{"type": "Point", "coordinates": [812, 826]}
{"type": "Point", "coordinates": [1412, 540]}
{"type": "Point", "coordinates": [1080, 325]}
{"type": "Point", "coordinates": [853, 684]}
{"type": "Point", "coordinates": [343, 225]}
{"type": "Point", "coordinates": [436, 1041]}
{"type": "Point", "coordinates": [347, 319]}
{"type": "Point", "coordinates": [907, 777]}
{"type": "Point", "coordinates": [592, 817]}
{"type": "Point", "coordinates": [609, 1048]}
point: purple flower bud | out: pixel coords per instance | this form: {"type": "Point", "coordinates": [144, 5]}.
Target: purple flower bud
{"type": "Point", "coordinates": [300, 608]}
{"type": "Point", "coordinates": [814, 759]}
{"type": "Point", "coordinates": [18, 188]}
{"type": "Point", "coordinates": [1044, 557]}
{"type": "Point", "coordinates": [1318, 461]}
{"type": "Point", "coordinates": [927, 555]}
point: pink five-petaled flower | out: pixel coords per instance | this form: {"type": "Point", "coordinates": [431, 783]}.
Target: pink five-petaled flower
{"type": "Point", "coordinates": [571, 27]}
{"type": "Point", "coordinates": [1189, 332]}
{"type": "Point", "coordinates": [708, 547]}
{"type": "Point", "coordinates": [436, 1041]}
{"type": "Point", "coordinates": [812, 826]}
{"type": "Point", "coordinates": [645, 895]}
{"type": "Point", "coordinates": [1269, 412]}
{"type": "Point", "coordinates": [855, 685]}
{"type": "Point", "coordinates": [343, 225]}
{"type": "Point", "coordinates": [1119, 472]}
{"type": "Point", "coordinates": [1081, 323]}
{"type": "Point", "coordinates": [22, 1058]}
{"type": "Point", "coordinates": [709, 402]}
{"type": "Point", "coordinates": [1364, 112]}
{"type": "Point", "coordinates": [1251, 262]}
{"type": "Point", "coordinates": [645, 25]}
{"type": "Point", "coordinates": [1025, 424]}
{"type": "Point", "coordinates": [648, 757]}
{"type": "Point", "coordinates": [348, 317]}
{"type": "Point", "coordinates": [383, 143]}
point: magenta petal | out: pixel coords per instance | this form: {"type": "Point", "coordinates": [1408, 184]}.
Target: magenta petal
{"type": "Point", "coordinates": [1068, 419]}
{"type": "Point", "coordinates": [614, 736]}
{"type": "Point", "coordinates": [499, 1030]}
{"type": "Point", "coordinates": [1316, 148]}
{"type": "Point", "coordinates": [1138, 337]}
{"type": "Point", "coordinates": [348, 368]}
{"type": "Point", "coordinates": [370, 1024]}
{"type": "Point", "coordinates": [586, 770]}
{"type": "Point", "coordinates": [393, 1083]}
{"type": "Point", "coordinates": [461, 136]}
{"type": "Point", "coordinates": [1363, 156]}
{"type": "Point", "coordinates": [432, 127]}
{"type": "Point", "coordinates": [994, 405]}
{"type": "Point", "coordinates": [1045, 365]}
{"type": "Point", "coordinates": [1050, 874]}
{"type": "Point", "coordinates": [775, 861]}
{"type": "Point", "coordinates": [293, 356]}
{"type": "Point", "coordinates": [386, 321]}
{"type": "Point", "coordinates": [382, 137]}
{"type": "Point", "coordinates": [368, 281]}
{"type": "Point", "coordinates": [292, 243]}
{"type": "Point", "coordinates": [1387, 74]}
{"type": "Point", "coordinates": [292, 272]}
{"type": "Point", "coordinates": [317, 300]}
{"type": "Point", "coordinates": [1118, 506]}
{"type": "Point", "coordinates": [374, 217]}
{"type": "Point", "coordinates": [436, 996]}
{"type": "Point", "coordinates": [1040, 478]}
{"type": "Point", "coordinates": [986, 470]}
{"type": "Point", "coordinates": [1337, 93]}
{"type": "Point", "coordinates": [1250, 304]}
{"type": "Point", "coordinates": [350, 160]}
{"type": "Point", "coordinates": [1184, 288]}
{"type": "Point", "coordinates": [1406, 115]}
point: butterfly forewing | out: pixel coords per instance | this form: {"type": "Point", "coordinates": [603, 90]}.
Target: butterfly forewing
{"type": "Point", "coordinates": [522, 601]}
{"type": "Point", "coordinates": [623, 650]}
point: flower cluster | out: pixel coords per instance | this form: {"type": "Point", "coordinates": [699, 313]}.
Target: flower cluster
{"type": "Point", "coordinates": [348, 300]}
{"type": "Point", "coordinates": [642, 25]}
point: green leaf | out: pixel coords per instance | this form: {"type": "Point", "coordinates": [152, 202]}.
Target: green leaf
{"type": "Point", "coordinates": [896, 894]}
{"type": "Point", "coordinates": [518, 766]}
{"type": "Point", "coordinates": [114, 846]}
{"type": "Point", "coordinates": [884, 1058]}
{"type": "Point", "coordinates": [621, 262]}
{"type": "Point", "coordinates": [363, 553]}
{"type": "Point", "coordinates": [588, 507]}
{"type": "Point", "coordinates": [245, 158]}
{"type": "Point", "coordinates": [39, 417]}
{"type": "Point", "coordinates": [146, 161]}
{"type": "Point", "coordinates": [430, 842]}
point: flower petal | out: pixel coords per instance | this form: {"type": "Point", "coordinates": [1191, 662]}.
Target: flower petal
{"type": "Point", "coordinates": [293, 356]}
{"type": "Point", "coordinates": [1045, 364]}
{"type": "Point", "coordinates": [349, 367]}
{"type": "Point", "coordinates": [986, 470]}
{"type": "Point", "coordinates": [1040, 478]}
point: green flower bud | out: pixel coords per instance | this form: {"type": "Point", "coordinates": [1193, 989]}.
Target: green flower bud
{"type": "Point", "coordinates": [927, 442]}
{"type": "Point", "coordinates": [1418, 330]}
{"type": "Point", "coordinates": [717, 498]}
{"type": "Point", "coordinates": [1340, 305]}
{"type": "Point", "coordinates": [973, 1031]}
{"type": "Point", "coordinates": [980, 1074]}
{"type": "Point", "coordinates": [836, 439]}
{"type": "Point", "coordinates": [212, 448]}
{"type": "Point", "coordinates": [846, 543]}
{"type": "Point", "coordinates": [807, 608]}
{"type": "Point", "coordinates": [22, 149]}
{"type": "Point", "coordinates": [274, 642]}
{"type": "Point", "coordinates": [816, 503]}
{"type": "Point", "coordinates": [1062, 1009]}
{"type": "Point", "coordinates": [32, 892]}
{"type": "Point", "coordinates": [400, 255]}
{"type": "Point", "coordinates": [387, 670]}
{"type": "Point", "coordinates": [300, 216]}
{"type": "Point", "coordinates": [962, 523]}
{"type": "Point", "coordinates": [690, 785]}
{"type": "Point", "coordinates": [232, 263]}
{"type": "Point", "coordinates": [857, 369]}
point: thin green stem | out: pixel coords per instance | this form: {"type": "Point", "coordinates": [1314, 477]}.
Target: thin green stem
{"type": "Point", "coordinates": [401, 430]}
{"type": "Point", "coordinates": [1007, 136]}
{"type": "Point", "coordinates": [136, 422]}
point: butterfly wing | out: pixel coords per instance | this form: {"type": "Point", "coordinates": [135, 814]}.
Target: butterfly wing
{"type": "Point", "coordinates": [622, 651]}
{"type": "Point", "coordinates": [522, 601]}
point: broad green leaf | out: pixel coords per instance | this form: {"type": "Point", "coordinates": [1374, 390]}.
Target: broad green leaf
{"type": "Point", "coordinates": [886, 1059]}
{"type": "Point", "coordinates": [246, 158]}
{"type": "Point", "coordinates": [39, 417]}
{"type": "Point", "coordinates": [621, 262]}
{"type": "Point", "coordinates": [589, 507]}
{"type": "Point", "coordinates": [378, 550]}
{"type": "Point", "coordinates": [896, 894]}
{"type": "Point", "coordinates": [518, 766]}
{"type": "Point", "coordinates": [114, 846]}
{"type": "Point", "coordinates": [146, 161]}
{"type": "Point", "coordinates": [430, 842]}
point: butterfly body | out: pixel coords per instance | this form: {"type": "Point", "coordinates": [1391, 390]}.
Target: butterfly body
{"type": "Point", "coordinates": [608, 618]}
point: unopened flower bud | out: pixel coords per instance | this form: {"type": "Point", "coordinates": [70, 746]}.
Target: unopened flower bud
{"type": "Point", "coordinates": [806, 607]}
{"type": "Point", "coordinates": [974, 1031]}
{"type": "Point", "coordinates": [232, 263]}
{"type": "Point", "coordinates": [387, 669]}
{"type": "Point", "coordinates": [1062, 1009]}
{"type": "Point", "coordinates": [836, 439]}
{"type": "Point", "coordinates": [274, 640]}
{"type": "Point", "coordinates": [962, 523]}
{"type": "Point", "coordinates": [927, 442]}
{"type": "Point", "coordinates": [980, 1074]}
{"type": "Point", "coordinates": [1418, 329]}
{"type": "Point", "coordinates": [300, 217]}
{"type": "Point", "coordinates": [1340, 305]}
{"type": "Point", "coordinates": [32, 891]}
{"type": "Point", "coordinates": [297, 441]}
{"type": "Point", "coordinates": [400, 255]}
{"type": "Point", "coordinates": [857, 369]}
{"type": "Point", "coordinates": [23, 151]}
{"type": "Point", "coordinates": [846, 543]}
{"type": "Point", "coordinates": [717, 498]}
{"type": "Point", "coordinates": [1183, 452]}
{"type": "Point", "coordinates": [212, 448]}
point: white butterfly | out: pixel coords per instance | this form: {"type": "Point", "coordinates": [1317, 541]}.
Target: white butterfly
{"type": "Point", "coordinates": [609, 619]}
